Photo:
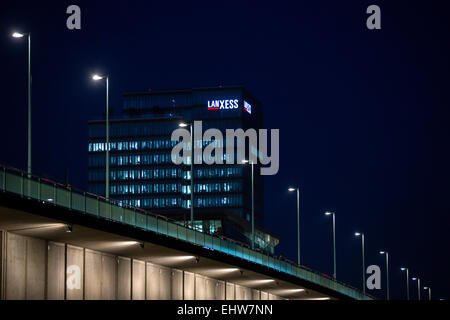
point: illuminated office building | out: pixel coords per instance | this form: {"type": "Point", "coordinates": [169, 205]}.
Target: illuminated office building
{"type": "Point", "coordinates": [143, 175]}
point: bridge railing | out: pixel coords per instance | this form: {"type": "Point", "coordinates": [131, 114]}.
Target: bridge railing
{"type": "Point", "coordinates": [40, 189]}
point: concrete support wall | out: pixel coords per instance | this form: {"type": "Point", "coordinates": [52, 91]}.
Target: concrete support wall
{"type": "Point", "coordinates": [37, 269]}
{"type": "Point", "coordinates": [220, 290]}
{"type": "Point", "coordinates": [109, 277]}
{"type": "Point", "coordinates": [189, 286]}
{"type": "Point", "coordinates": [210, 292]}
{"type": "Point", "coordinates": [56, 253]}
{"type": "Point", "coordinates": [25, 268]}
{"type": "Point", "coordinates": [153, 276]}
{"type": "Point", "coordinates": [15, 267]}
{"type": "Point", "coordinates": [243, 293]}
{"type": "Point", "coordinates": [74, 273]}
{"type": "Point", "coordinates": [93, 270]}
{"type": "Point", "coordinates": [123, 278]}
{"type": "Point", "coordinates": [165, 283]}
{"type": "Point", "coordinates": [200, 287]}
{"type": "Point", "coordinates": [177, 284]}
{"type": "Point", "coordinates": [230, 291]}
{"type": "Point", "coordinates": [138, 278]}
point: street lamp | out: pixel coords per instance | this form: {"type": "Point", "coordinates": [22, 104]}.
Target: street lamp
{"type": "Point", "coordinates": [21, 35]}
{"type": "Point", "coordinates": [418, 286]}
{"type": "Point", "coordinates": [191, 129]}
{"type": "Point", "coordinates": [387, 272]}
{"type": "Point", "coordinates": [407, 281]}
{"type": "Point", "coordinates": [291, 189]}
{"type": "Point", "coordinates": [359, 234]}
{"type": "Point", "coordinates": [429, 292]}
{"type": "Point", "coordinates": [253, 202]}
{"type": "Point", "coordinates": [334, 241]}
{"type": "Point", "coordinates": [97, 77]}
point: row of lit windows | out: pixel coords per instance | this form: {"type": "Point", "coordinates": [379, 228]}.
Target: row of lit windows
{"type": "Point", "coordinates": [218, 172]}
{"type": "Point", "coordinates": [125, 160]}
{"type": "Point", "coordinates": [132, 145]}
{"type": "Point", "coordinates": [200, 202]}
{"type": "Point", "coordinates": [98, 160]}
{"type": "Point", "coordinates": [166, 202]}
{"type": "Point", "coordinates": [165, 173]}
{"type": "Point", "coordinates": [213, 187]}
{"type": "Point", "coordinates": [148, 145]}
{"type": "Point", "coordinates": [174, 187]}
{"type": "Point", "coordinates": [145, 188]}
{"type": "Point", "coordinates": [145, 174]}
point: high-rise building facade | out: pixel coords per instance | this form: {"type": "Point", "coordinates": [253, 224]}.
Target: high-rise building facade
{"type": "Point", "coordinates": [142, 173]}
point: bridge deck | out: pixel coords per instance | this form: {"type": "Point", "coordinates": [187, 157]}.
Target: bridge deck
{"type": "Point", "coordinates": [42, 191]}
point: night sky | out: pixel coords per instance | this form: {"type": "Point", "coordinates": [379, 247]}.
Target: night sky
{"type": "Point", "coordinates": [363, 115]}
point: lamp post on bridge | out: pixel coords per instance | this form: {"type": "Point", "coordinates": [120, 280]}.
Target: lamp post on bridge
{"type": "Point", "coordinates": [387, 272]}
{"type": "Point", "coordinates": [21, 35]}
{"type": "Point", "coordinates": [334, 241]}
{"type": "Point", "coordinates": [97, 77]}
{"type": "Point", "coordinates": [292, 189]}
{"type": "Point", "coordinates": [360, 234]}
{"type": "Point", "coordinates": [407, 281]}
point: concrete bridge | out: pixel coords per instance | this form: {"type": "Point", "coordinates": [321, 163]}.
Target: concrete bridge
{"type": "Point", "coordinates": [60, 243]}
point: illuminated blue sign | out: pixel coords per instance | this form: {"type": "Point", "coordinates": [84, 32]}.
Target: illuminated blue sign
{"type": "Point", "coordinates": [247, 107]}
{"type": "Point", "coordinates": [223, 104]}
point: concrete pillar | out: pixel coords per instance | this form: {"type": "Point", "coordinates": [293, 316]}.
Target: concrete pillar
{"type": "Point", "coordinates": [200, 287]}
{"type": "Point", "coordinates": [210, 287]}
{"type": "Point", "coordinates": [55, 270]}
{"type": "Point", "coordinates": [15, 267]}
{"type": "Point", "coordinates": [74, 273]}
{"type": "Point", "coordinates": [177, 284]}
{"type": "Point", "coordinates": [248, 293]}
{"type": "Point", "coordinates": [138, 280]}
{"type": "Point", "coordinates": [123, 278]}
{"type": "Point", "coordinates": [240, 292]}
{"type": "Point", "coordinates": [189, 286]}
{"type": "Point", "coordinates": [219, 293]}
{"type": "Point", "coordinates": [153, 275]}
{"type": "Point", "coordinates": [36, 269]}
{"type": "Point", "coordinates": [230, 291]}
{"type": "Point", "coordinates": [25, 267]}
{"type": "Point", "coordinates": [93, 275]}
{"type": "Point", "coordinates": [109, 277]}
{"type": "Point", "coordinates": [165, 283]}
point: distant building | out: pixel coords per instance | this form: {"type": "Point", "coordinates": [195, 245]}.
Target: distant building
{"type": "Point", "coordinates": [143, 175]}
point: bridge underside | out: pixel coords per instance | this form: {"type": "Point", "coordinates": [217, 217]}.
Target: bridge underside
{"type": "Point", "coordinates": [41, 259]}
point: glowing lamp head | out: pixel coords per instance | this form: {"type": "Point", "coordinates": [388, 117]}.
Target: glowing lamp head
{"type": "Point", "coordinates": [328, 213]}
{"type": "Point", "coordinates": [403, 268]}
{"type": "Point", "coordinates": [357, 234]}
{"type": "Point", "coordinates": [96, 77]}
{"type": "Point", "coordinates": [413, 279]}
{"type": "Point", "coordinates": [382, 252]}
{"type": "Point", "coordinates": [425, 288]}
{"type": "Point", "coordinates": [291, 189]}
{"type": "Point", "coordinates": [245, 161]}
{"type": "Point", "coordinates": [18, 35]}
{"type": "Point", "coordinates": [183, 125]}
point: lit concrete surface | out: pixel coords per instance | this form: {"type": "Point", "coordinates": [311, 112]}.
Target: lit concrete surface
{"type": "Point", "coordinates": [40, 259]}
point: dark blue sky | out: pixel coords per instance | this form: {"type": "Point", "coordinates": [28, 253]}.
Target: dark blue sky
{"type": "Point", "coordinates": [363, 115]}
